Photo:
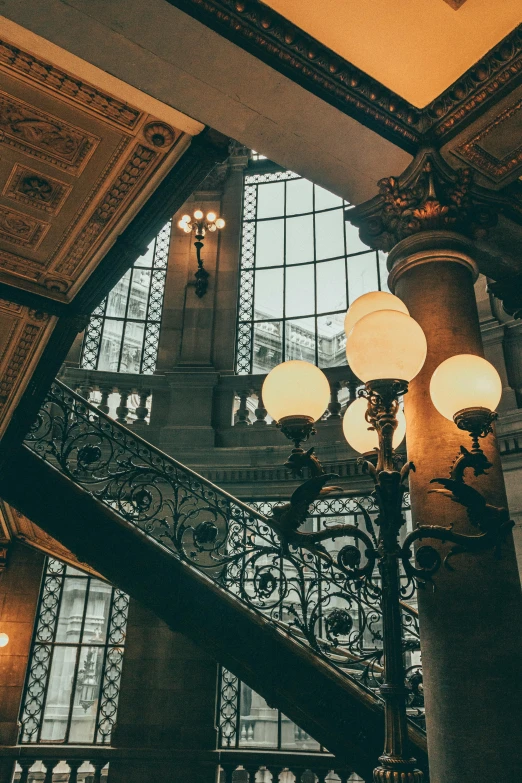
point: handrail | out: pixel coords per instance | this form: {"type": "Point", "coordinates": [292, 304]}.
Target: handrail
{"type": "Point", "coordinates": [322, 597]}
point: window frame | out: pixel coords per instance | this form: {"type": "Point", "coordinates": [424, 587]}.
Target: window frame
{"type": "Point", "coordinates": [42, 654]}
{"type": "Point", "coordinates": [260, 172]}
{"type": "Point", "coordinates": [92, 345]}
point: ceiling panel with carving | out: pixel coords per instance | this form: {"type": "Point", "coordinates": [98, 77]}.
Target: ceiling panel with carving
{"type": "Point", "coordinates": [75, 164]}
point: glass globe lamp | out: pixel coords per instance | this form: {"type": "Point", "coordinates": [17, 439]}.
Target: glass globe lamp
{"type": "Point", "coordinates": [296, 394]}
{"type": "Point", "coordinates": [361, 436]}
{"type": "Point", "coordinates": [198, 214]}
{"type": "Point", "coordinates": [386, 344]}
{"type": "Point", "coordinates": [220, 223]}
{"type": "Point", "coordinates": [370, 303]}
{"type": "Point", "coordinates": [4, 639]}
{"type": "Point", "coordinates": [466, 389]}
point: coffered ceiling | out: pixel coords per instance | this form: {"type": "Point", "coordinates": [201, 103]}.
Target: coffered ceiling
{"type": "Point", "coordinates": [417, 48]}
{"type": "Point", "coordinates": [75, 163]}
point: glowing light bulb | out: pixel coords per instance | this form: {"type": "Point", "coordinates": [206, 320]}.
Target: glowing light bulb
{"type": "Point", "coordinates": [296, 388]}
{"type": "Point", "coordinates": [465, 381]}
{"type": "Point", "coordinates": [185, 219]}
{"type": "Point", "coordinates": [198, 214]}
{"type": "Point", "coordinates": [4, 639]}
{"type": "Point", "coordinates": [357, 430]}
{"type": "Point", "coordinates": [182, 224]}
{"type": "Point", "coordinates": [386, 344]}
{"type": "Point", "coordinates": [211, 217]}
{"type": "Point", "coordinates": [369, 303]}
{"type": "Point", "coordinates": [220, 223]}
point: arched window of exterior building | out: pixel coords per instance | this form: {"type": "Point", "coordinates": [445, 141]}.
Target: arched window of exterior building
{"type": "Point", "coordinates": [123, 331]}
{"type": "Point", "coordinates": [73, 680]}
{"type": "Point", "coordinates": [302, 264]}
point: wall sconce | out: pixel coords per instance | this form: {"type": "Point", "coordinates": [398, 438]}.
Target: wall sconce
{"type": "Point", "coordinates": [200, 225]}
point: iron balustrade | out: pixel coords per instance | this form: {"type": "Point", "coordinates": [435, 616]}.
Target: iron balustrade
{"type": "Point", "coordinates": [327, 600]}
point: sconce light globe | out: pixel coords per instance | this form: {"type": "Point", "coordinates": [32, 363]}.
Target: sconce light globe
{"type": "Point", "coordinates": [386, 344]}
{"type": "Point", "coordinates": [294, 389]}
{"type": "Point", "coordinates": [465, 381]}
{"type": "Point", "coordinates": [211, 217]}
{"type": "Point", "coordinates": [198, 214]}
{"type": "Point", "coordinates": [4, 639]}
{"type": "Point", "coordinates": [369, 303]}
{"type": "Point", "coordinates": [358, 432]}
{"type": "Point", "coordinates": [220, 223]}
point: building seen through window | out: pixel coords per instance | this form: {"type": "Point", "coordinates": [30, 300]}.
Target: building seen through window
{"type": "Point", "coordinates": [302, 265]}
{"type": "Point", "coordinates": [123, 332]}
{"type": "Point", "coordinates": [73, 681]}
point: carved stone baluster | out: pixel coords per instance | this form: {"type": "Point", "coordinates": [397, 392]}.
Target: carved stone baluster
{"type": "Point", "coordinates": [105, 393]}
{"type": "Point", "coordinates": [334, 406]}
{"type": "Point", "coordinates": [242, 417]}
{"type": "Point", "coordinates": [122, 410]}
{"type": "Point", "coordinates": [74, 766]}
{"type": "Point", "coordinates": [352, 389]}
{"type": "Point", "coordinates": [142, 411]}
{"type": "Point", "coordinates": [85, 391]}
{"type": "Point", "coordinates": [98, 766]}
{"type": "Point", "coordinates": [50, 764]}
{"type": "Point", "coordinates": [260, 411]}
{"type": "Point", "coordinates": [26, 765]}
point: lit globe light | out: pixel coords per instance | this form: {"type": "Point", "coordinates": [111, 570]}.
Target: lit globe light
{"type": "Point", "coordinates": [187, 228]}
{"type": "Point", "coordinates": [357, 430]}
{"type": "Point", "coordinates": [4, 639]}
{"type": "Point", "coordinates": [211, 217]}
{"type": "Point", "coordinates": [220, 223]}
{"type": "Point", "coordinates": [296, 389]}
{"type": "Point", "coordinates": [183, 224]}
{"type": "Point", "coordinates": [462, 382]}
{"type": "Point", "coordinates": [185, 219]}
{"type": "Point", "coordinates": [386, 344]}
{"type": "Point", "coordinates": [198, 214]}
{"type": "Point", "coordinates": [369, 303]}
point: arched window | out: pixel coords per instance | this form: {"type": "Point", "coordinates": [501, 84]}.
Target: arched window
{"type": "Point", "coordinates": [123, 332]}
{"type": "Point", "coordinates": [302, 264]}
{"type": "Point", "coordinates": [73, 680]}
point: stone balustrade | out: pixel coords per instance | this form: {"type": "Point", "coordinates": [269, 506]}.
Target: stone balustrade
{"type": "Point", "coordinates": [280, 767]}
{"type": "Point", "coordinates": [47, 764]}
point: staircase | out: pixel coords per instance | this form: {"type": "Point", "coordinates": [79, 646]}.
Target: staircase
{"type": "Point", "coordinates": [296, 625]}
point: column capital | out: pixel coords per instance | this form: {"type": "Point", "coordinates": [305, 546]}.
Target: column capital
{"type": "Point", "coordinates": [428, 196]}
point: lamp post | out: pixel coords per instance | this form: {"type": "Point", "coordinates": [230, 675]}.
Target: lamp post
{"type": "Point", "coordinates": [200, 225]}
{"type": "Point", "coordinates": [386, 349]}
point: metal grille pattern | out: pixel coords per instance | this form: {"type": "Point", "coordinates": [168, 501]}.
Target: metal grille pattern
{"type": "Point", "coordinates": [123, 332]}
{"type": "Point", "coordinates": [73, 681]}
{"type": "Point", "coordinates": [330, 603]}
{"type": "Point", "coordinates": [301, 266]}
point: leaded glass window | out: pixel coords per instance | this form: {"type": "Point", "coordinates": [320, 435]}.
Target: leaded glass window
{"type": "Point", "coordinates": [123, 332]}
{"type": "Point", "coordinates": [302, 264]}
{"type": "Point", "coordinates": [73, 680]}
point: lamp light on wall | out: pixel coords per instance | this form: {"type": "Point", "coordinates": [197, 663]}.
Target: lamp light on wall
{"type": "Point", "coordinates": [200, 225]}
{"type": "Point", "coordinates": [4, 639]}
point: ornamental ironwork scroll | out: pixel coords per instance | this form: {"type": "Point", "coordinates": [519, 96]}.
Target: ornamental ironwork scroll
{"type": "Point", "coordinates": [323, 587]}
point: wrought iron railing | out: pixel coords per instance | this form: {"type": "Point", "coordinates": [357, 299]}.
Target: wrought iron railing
{"type": "Point", "coordinates": [325, 597]}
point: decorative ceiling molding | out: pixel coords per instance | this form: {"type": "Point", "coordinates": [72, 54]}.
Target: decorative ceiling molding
{"type": "Point", "coordinates": [509, 156]}
{"type": "Point", "coordinates": [285, 47]}
{"type": "Point", "coordinates": [75, 161]}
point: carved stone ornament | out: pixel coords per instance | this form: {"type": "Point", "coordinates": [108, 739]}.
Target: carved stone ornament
{"type": "Point", "coordinates": [428, 196]}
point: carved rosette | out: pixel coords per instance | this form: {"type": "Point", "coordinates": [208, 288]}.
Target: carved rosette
{"type": "Point", "coordinates": [428, 196]}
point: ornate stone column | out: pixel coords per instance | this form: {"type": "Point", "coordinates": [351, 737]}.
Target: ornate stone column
{"type": "Point", "coordinates": [470, 628]}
